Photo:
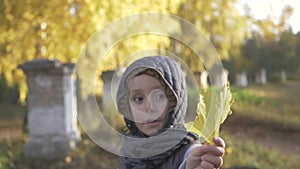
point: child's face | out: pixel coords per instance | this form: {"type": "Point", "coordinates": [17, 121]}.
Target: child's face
{"type": "Point", "coordinates": [148, 103]}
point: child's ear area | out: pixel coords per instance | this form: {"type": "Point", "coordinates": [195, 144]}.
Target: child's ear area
{"type": "Point", "coordinates": [172, 104]}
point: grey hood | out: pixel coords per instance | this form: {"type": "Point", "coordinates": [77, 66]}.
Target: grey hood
{"type": "Point", "coordinates": [173, 76]}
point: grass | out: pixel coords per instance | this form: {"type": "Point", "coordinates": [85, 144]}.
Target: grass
{"type": "Point", "coordinates": [264, 130]}
{"type": "Point", "coordinates": [243, 152]}
{"type": "Point", "coordinates": [86, 155]}
{"type": "Point", "coordinates": [268, 109]}
{"type": "Point", "coordinates": [274, 103]}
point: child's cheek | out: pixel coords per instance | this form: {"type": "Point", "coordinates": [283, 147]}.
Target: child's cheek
{"type": "Point", "coordinates": [143, 117]}
{"type": "Point", "coordinates": [138, 116]}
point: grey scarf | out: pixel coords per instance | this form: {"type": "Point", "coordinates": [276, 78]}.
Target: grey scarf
{"type": "Point", "coordinates": [165, 146]}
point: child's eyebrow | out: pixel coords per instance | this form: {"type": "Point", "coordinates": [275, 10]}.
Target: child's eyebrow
{"type": "Point", "coordinates": [136, 91]}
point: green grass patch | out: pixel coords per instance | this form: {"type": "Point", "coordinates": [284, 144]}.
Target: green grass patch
{"type": "Point", "coordinates": [246, 153]}
{"type": "Point", "coordinates": [247, 97]}
{"type": "Point", "coordinates": [273, 103]}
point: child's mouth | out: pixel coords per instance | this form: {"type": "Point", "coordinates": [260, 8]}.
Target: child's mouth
{"type": "Point", "coordinates": [153, 122]}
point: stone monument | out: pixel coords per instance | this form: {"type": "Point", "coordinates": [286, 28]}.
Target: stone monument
{"type": "Point", "coordinates": [220, 79]}
{"type": "Point", "coordinates": [241, 80]}
{"type": "Point", "coordinates": [261, 77]}
{"type": "Point", "coordinates": [107, 100]}
{"type": "Point", "coordinates": [51, 104]}
{"type": "Point", "coordinates": [201, 78]}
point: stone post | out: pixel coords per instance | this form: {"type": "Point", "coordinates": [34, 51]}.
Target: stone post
{"type": "Point", "coordinates": [107, 100]}
{"type": "Point", "coordinates": [108, 108]}
{"type": "Point", "coordinates": [283, 75]}
{"type": "Point", "coordinates": [51, 104]}
{"type": "Point", "coordinates": [220, 79]}
{"type": "Point", "coordinates": [261, 77]}
{"type": "Point", "coordinates": [241, 79]}
{"type": "Point", "coordinates": [201, 78]}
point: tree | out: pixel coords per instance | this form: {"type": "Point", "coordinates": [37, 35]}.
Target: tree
{"type": "Point", "coordinates": [58, 29]}
{"type": "Point", "coordinates": [287, 59]}
{"type": "Point", "coordinates": [42, 29]}
{"type": "Point", "coordinates": [219, 20]}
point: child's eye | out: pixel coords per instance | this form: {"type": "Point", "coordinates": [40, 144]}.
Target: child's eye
{"type": "Point", "coordinates": [138, 99]}
{"type": "Point", "coordinates": [159, 96]}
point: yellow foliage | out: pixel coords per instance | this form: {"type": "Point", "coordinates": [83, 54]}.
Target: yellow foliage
{"type": "Point", "coordinates": [58, 29]}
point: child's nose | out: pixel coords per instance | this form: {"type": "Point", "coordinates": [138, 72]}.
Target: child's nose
{"type": "Point", "coordinates": [148, 105]}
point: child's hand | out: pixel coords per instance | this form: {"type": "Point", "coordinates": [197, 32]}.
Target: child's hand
{"type": "Point", "coordinates": [207, 156]}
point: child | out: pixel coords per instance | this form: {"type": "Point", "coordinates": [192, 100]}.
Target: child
{"type": "Point", "coordinates": [152, 97]}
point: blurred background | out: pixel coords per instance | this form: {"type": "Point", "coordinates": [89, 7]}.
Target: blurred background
{"type": "Point", "coordinates": [253, 38]}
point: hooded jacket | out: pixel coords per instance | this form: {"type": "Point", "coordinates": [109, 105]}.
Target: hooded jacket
{"type": "Point", "coordinates": [167, 148]}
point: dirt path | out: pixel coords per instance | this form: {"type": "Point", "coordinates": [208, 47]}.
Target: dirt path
{"type": "Point", "coordinates": [274, 136]}
{"type": "Point", "coordinates": [11, 132]}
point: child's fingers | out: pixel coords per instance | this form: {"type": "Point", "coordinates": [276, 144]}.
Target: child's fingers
{"type": "Point", "coordinates": [217, 161]}
{"type": "Point", "coordinates": [208, 149]}
{"type": "Point", "coordinates": [215, 150]}
{"type": "Point", "coordinates": [199, 151]}
{"type": "Point", "coordinates": [219, 142]}
{"type": "Point", "coordinates": [206, 165]}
